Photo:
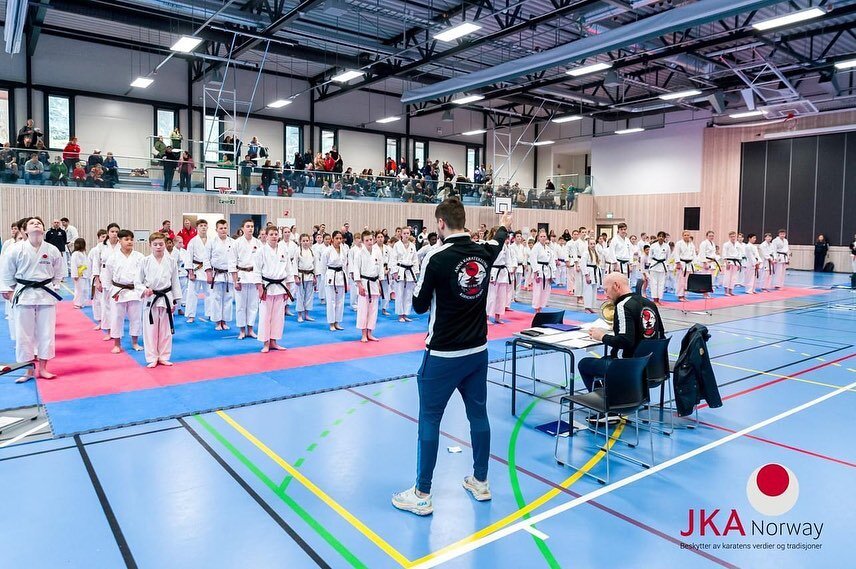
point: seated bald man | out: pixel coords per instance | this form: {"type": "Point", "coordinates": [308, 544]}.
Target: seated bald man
{"type": "Point", "coordinates": [636, 319]}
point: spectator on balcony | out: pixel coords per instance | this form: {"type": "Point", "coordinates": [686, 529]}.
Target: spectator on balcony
{"type": "Point", "coordinates": [79, 174]}
{"type": "Point", "coordinates": [159, 147]}
{"type": "Point", "coordinates": [298, 177]}
{"type": "Point", "coordinates": [28, 137]}
{"type": "Point", "coordinates": [329, 162]}
{"type": "Point", "coordinates": [338, 191]}
{"type": "Point", "coordinates": [186, 165]}
{"type": "Point", "coordinates": [267, 177]}
{"type": "Point", "coordinates": [111, 170]}
{"type": "Point", "coordinates": [391, 167]}
{"type": "Point", "coordinates": [33, 170]}
{"type": "Point", "coordinates": [326, 191]}
{"type": "Point", "coordinates": [94, 158]}
{"type": "Point", "coordinates": [246, 173]}
{"type": "Point", "coordinates": [549, 185]}
{"type": "Point", "coordinates": [520, 199]}
{"type": "Point", "coordinates": [169, 163]}
{"type": "Point", "coordinates": [58, 172]}
{"type": "Point", "coordinates": [338, 161]}
{"type": "Point", "coordinates": [95, 177]}
{"type": "Point", "coordinates": [228, 148]}
{"type": "Point", "coordinates": [254, 149]}
{"type": "Point", "coordinates": [44, 157]}
{"type": "Point", "coordinates": [176, 138]}
{"type": "Point", "coordinates": [71, 154]}
{"type": "Point", "coordinates": [563, 198]}
{"type": "Point", "coordinates": [318, 162]}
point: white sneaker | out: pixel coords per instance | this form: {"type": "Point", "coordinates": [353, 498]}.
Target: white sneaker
{"type": "Point", "coordinates": [410, 502]}
{"type": "Point", "coordinates": [479, 490]}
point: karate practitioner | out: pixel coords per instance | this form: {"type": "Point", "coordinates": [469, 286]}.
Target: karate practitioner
{"type": "Point", "coordinates": [685, 254]}
{"type": "Point", "coordinates": [336, 280]}
{"type": "Point", "coordinates": [94, 258]}
{"type": "Point", "coordinates": [767, 255]}
{"type": "Point", "coordinates": [275, 271]}
{"type": "Point", "coordinates": [106, 250]}
{"type": "Point", "coordinates": [162, 294]}
{"type": "Point", "coordinates": [709, 259]}
{"type": "Point", "coordinates": [306, 279]}
{"type": "Point", "coordinates": [355, 292]}
{"type": "Point", "coordinates": [753, 264]}
{"type": "Point", "coordinates": [572, 256]}
{"type": "Point", "coordinates": [195, 258]}
{"type": "Point", "coordinates": [619, 249]}
{"type": "Point", "coordinates": [542, 264]}
{"type": "Point", "coordinates": [405, 269]}
{"type": "Point", "coordinates": [783, 256]}
{"type": "Point", "coordinates": [246, 291]}
{"type": "Point", "coordinates": [79, 272]}
{"type": "Point", "coordinates": [561, 262]}
{"type": "Point", "coordinates": [500, 280]}
{"type": "Point", "coordinates": [18, 235]}
{"type": "Point", "coordinates": [520, 252]}
{"type": "Point", "coordinates": [318, 248]}
{"type": "Point", "coordinates": [385, 251]}
{"type": "Point", "coordinates": [30, 274]}
{"type": "Point", "coordinates": [593, 276]}
{"type": "Point", "coordinates": [175, 249]}
{"type": "Point", "coordinates": [124, 289]}
{"type": "Point", "coordinates": [658, 257]}
{"type": "Point", "coordinates": [733, 262]}
{"type": "Point", "coordinates": [221, 272]}
{"type": "Point", "coordinates": [293, 250]}
{"type": "Point", "coordinates": [368, 272]}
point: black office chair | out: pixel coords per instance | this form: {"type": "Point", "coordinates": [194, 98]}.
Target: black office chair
{"type": "Point", "coordinates": [658, 376]}
{"type": "Point", "coordinates": [540, 319]}
{"type": "Point", "coordinates": [701, 284]}
{"type": "Point", "coordinates": [553, 317]}
{"type": "Point", "coordinates": [624, 391]}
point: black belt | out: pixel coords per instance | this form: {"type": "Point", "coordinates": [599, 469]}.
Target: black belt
{"type": "Point", "coordinates": [246, 269]}
{"type": "Point", "coordinates": [339, 270]}
{"type": "Point", "coordinates": [623, 262]}
{"type": "Point", "coordinates": [543, 277]}
{"type": "Point", "coordinates": [280, 282]}
{"type": "Point", "coordinates": [197, 264]}
{"type": "Point", "coordinates": [219, 272]}
{"type": "Point", "coordinates": [502, 268]}
{"type": "Point", "coordinates": [772, 266]}
{"type": "Point", "coordinates": [738, 261]}
{"type": "Point", "coordinates": [597, 273]}
{"type": "Point", "coordinates": [687, 263]}
{"type": "Point", "coordinates": [25, 284]}
{"type": "Point", "coordinates": [782, 253]}
{"type": "Point", "coordinates": [715, 262]}
{"type": "Point", "coordinates": [406, 269]}
{"type": "Point", "coordinates": [306, 272]}
{"type": "Point", "coordinates": [374, 280]}
{"type": "Point", "coordinates": [658, 262]}
{"type": "Point", "coordinates": [122, 286]}
{"type": "Point", "coordinates": [156, 294]}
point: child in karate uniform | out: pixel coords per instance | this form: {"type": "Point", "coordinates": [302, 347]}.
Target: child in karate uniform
{"type": "Point", "coordinates": [122, 285]}
{"type": "Point", "coordinates": [246, 291]}
{"type": "Point", "coordinates": [500, 281]}
{"type": "Point", "coordinates": [336, 280]}
{"type": "Point", "coordinates": [222, 274]}
{"type": "Point", "coordinates": [275, 270]}
{"type": "Point", "coordinates": [368, 271]}
{"type": "Point", "coordinates": [95, 263]}
{"type": "Point", "coordinates": [105, 251]}
{"type": "Point", "coordinates": [79, 272]}
{"type": "Point", "coordinates": [159, 277]}
{"type": "Point", "coordinates": [194, 261]}
{"type": "Point", "coordinates": [542, 262]}
{"type": "Point", "coordinates": [592, 275]}
{"type": "Point", "coordinates": [306, 280]}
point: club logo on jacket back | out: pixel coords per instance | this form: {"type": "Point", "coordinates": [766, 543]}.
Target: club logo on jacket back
{"type": "Point", "coordinates": [471, 274]}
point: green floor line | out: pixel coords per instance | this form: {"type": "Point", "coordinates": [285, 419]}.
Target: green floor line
{"type": "Point", "coordinates": [287, 500]}
{"type": "Point", "coordinates": [515, 481]}
{"type": "Point", "coordinates": [311, 447]}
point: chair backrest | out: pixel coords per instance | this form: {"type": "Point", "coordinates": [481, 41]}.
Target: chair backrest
{"type": "Point", "coordinates": [626, 383]}
{"type": "Point", "coordinates": [555, 317]}
{"type": "Point", "coordinates": [639, 284]}
{"type": "Point", "coordinates": [658, 365]}
{"type": "Point", "coordinates": [698, 282]}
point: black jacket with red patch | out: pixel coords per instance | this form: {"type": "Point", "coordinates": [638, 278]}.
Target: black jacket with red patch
{"type": "Point", "coordinates": [636, 319]}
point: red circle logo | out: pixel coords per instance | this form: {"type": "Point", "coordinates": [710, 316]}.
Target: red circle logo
{"type": "Point", "coordinates": [773, 489]}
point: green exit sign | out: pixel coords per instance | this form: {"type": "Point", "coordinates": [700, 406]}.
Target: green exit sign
{"type": "Point", "coordinates": [227, 201]}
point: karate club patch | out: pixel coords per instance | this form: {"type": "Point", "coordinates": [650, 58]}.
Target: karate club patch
{"type": "Point", "coordinates": [471, 274]}
{"type": "Point", "coordinates": [649, 322]}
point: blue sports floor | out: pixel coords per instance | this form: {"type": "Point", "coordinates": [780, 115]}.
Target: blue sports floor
{"type": "Point", "coordinates": [306, 481]}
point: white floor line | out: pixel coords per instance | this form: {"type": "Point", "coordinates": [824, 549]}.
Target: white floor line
{"type": "Point", "coordinates": [24, 435]}
{"type": "Point", "coordinates": [547, 514]}
{"type": "Point", "coordinates": [537, 533]}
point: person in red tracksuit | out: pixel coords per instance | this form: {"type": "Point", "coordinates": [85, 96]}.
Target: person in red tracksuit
{"type": "Point", "coordinates": [71, 154]}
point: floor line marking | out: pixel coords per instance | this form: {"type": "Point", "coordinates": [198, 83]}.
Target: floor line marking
{"type": "Point", "coordinates": [24, 435]}
{"type": "Point", "coordinates": [629, 480]}
{"type": "Point", "coordinates": [780, 376]}
{"type": "Point", "coordinates": [320, 494]}
{"type": "Point", "coordinates": [537, 533]}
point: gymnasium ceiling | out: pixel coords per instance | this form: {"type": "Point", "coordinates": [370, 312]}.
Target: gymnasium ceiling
{"type": "Point", "coordinates": [392, 41]}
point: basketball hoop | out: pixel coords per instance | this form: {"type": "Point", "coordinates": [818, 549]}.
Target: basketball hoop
{"type": "Point", "coordinates": [225, 190]}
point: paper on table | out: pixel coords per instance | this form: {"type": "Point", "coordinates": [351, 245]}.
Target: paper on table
{"type": "Point", "coordinates": [579, 343]}
{"type": "Point", "coordinates": [599, 323]}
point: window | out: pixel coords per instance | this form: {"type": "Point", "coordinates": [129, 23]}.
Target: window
{"type": "Point", "coordinates": [420, 150]}
{"type": "Point", "coordinates": [212, 139]}
{"type": "Point", "coordinates": [58, 121]}
{"type": "Point", "coordinates": [391, 149]}
{"type": "Point", "coordinates": [5, 124]}
{"type": "Point", "coordinates": [472, 162]}
{"type": "Point", "coordinates": [166, 122]}
{"type": "Point", "coordinates": [328, 140]}
{"type": "Point", "coordinates": [292, 142]}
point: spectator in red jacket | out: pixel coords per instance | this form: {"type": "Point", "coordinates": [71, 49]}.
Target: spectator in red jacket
{"type": "Point", "coordinates": [187, 232]}
{"type": "Point", "coordinates": [329, 162]}
{"type": "Point", "coordinates": [71, 154]}
{"type": "Point", "coordinates": [79, 174]}
{"type": "Point", "coordinates": [166, 229]}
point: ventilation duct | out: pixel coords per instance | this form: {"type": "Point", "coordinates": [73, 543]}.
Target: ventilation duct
{"type": "Point", "coordinates": [16, 17]}
{"type": "Point", "coordinates": [655, 26]}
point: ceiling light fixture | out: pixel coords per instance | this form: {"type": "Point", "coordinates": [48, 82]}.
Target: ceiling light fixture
{"type": "Point", "coordinates": [456, 32]}
{"type": "Point", "coordinates": [468, 99]}
{"type": "Point", "coordinates": [846, 64]}
{"type": "Point", "coordinates": [186, 44]}
{"type": "Point", "coordinates": [594, 68]}
{"type": "Point", "coordinates": [746, 114]}
{"type": "Point", "coordinates": [791, 18]}
{"type": "Point", "coordinates": [388, 120]}
{"type": "Point", "coordinates": [680, 94]}
{"type": "Point", "coordinates": [474, 132]}
{"type": "Point", "coordinates": [570, 118]}
{"type": "Point", "coordinates": [629, 130]}
{"type": "Point", "coordinates": [142, 82]}
{"type": "Point", "coordinates": [279, 103]}
{"type": "Point", "coordinates": [347, 75]}
{"type": "Point", "coordinates": [544, 143]}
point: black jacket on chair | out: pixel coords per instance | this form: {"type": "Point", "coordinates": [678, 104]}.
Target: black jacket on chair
{"type": "Point", "coordinates": [693, 376]}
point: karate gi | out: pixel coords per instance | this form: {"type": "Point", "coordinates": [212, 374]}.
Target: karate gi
{"type": "Point", "coordinates": [352, 286]}
{"type": "Point", "coordinates": [368, 269]}
{"type": "Point", "coordinates": [500, 282]}
{"type": "Point", "coordinates": [8, 247]}
{"type": "Point", "coordinates": [305, 280]}
{"type": "Point", "coordinates": [274, 269]}
{"type": "Point", "coordinates": [404, 264]}
{"type": "Point", "coordinates": [542, 264]}
{"type": "Point", "coordinates": [591, 271]}
{"type": "Point", "coordinates": [336, 282]}
{"type": "Point", "coordinates": [293, 250]}
{"type": "Point", "coordinates": [782, 257]}
{"type": "Point", "coordinates": [658, 257]}
{"type": "Point", "coordinates": [619, 250]}
{"type": "Point", "coordinates": [221, 261]}
{"type": "Point", "coordinates": [80, 277]}
{"type": "Point", "coordinates": [768, 264]}
{"type": "Point", "coordinates": [318, 249]}
{"type": "Point", "coordinates": [120, 272]}
{"type": "Point", "coordinates": [733, 264]}
{"type": "Point", "coordinates": [684, 255]}
{"type": "Point", "coordinates": [158, 328]}
{"type": "Point", "coordinates": [246, 299]}
{"type": "Point", "coordinates": [561, 264]}
{"type": "Point", "coordinates": [751, 268]}
{"type": "Point", "coordinates": [195, 259]}
{"type": "Point", "coordinates": [106, 251]}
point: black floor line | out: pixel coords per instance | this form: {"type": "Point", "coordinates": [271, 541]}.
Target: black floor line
{"type": "Point", "coordinates": [789, 364]}
{"type": "Point", "coordinates": [38, 452]}
{"type": "Point", "coordinates": [105, 505]}
{"type": "Point", "coordinates": [258, 499]}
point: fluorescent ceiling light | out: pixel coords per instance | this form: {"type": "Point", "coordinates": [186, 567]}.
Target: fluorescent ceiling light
{"type": "Point", "coordinates": [186, 44]}
{"type": "Point", "coordinates": [279, 103]}
{"type": "Point", "coordinates": [571, 118]}
{"type": "Point", "coordinates": [746, 114]}
{"type": "Point", "coordinates": [544, 143]}
{"type": "Point", "coordinates": [474, 132]}
{"type": "Point", "coordinates": [629, 130]}
{"type": "Point", "coordinates": [468, 99]}
{"type": "Point", "coordinates": [142, 82]}
{"type": "Point", "coordinates": [458, 31]}
{"type": "Point", "coordinates": [594, 68]}
{"type": "Point", "coordinates": [846, 64]}
{"type": "Point", "coordinates": [346, 76]}
{"type": "Point", "coordinates": [680, 94]}
{"type": "Point", "coordinates": [791, 18]}
{"type": "Point", "coordinates": [388, 120]}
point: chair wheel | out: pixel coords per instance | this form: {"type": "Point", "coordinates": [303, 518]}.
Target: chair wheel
{"type": "Point", "coordinates": [667, 434]}
{"type": "Point", "coordinates": [560, 463]}
{"type": "Point", "coordinates": [602, 482]}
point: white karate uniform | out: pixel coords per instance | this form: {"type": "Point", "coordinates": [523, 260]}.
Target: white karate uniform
{"type": "Point", "coordinates": [635, 265]}
{"type": "Point", "coordinates": [708, 257]}
{"type": "Point", "coordinates": [561, 264]}
{"type": "Point", "coordinates": [619, 250]}
{"type": "Point", "coordinates": [571, 258]}
{"type": "Point", "coordinates": [293, 250]}
{"type": "Point", "coordinates": [521, 261]}
{"type": "Point", "coordinates": [782, 256]}
{"type": "Point", "coordinates": [542, 264]}
{"type": "Point", "coordinates": [305, 279]}
{"type": "Point", "coordinates": [741, 273]}
{"type": "Point", "coordinates": [79, 276]}
{"type": "Point", "coordinates": [97, 296]}
{"type": "Point", "coordinates": [34, 310]}
{"type": "Point", "coordinates": [273, 264]}
{"type": "Point", "coordinates": [195, 260]}
{"type": "Point", "coordinates": [405, 267]}
{"type": "Point", "coordinates": [751, 267]}
{"type": "Point", "coordinates": [500, 281]}
{"type": "Point", "coordinates": [246, 299]}
{"type": "Point", "coordinates": [319, 249]}
{"type": "Point", "coordinates": [591, 271]}
{"type": "Point", "coordinates": [684, 255]}
{"type": "Point", "coordinates": [159, 276]}
{"type": "Point", "coordinates": [220, 254]}
{"type": "Point", "coordinates": [335, 281]}
{"type": "Point", "coordinates": [511, 261]}
{"type": "Point", "coordinates": [8, 247]}
{"type": "Point", "coordinates": [658, 256]}
{"type": "Point", "coordinates": [768, 264]}
{"type": "Point", "coordinates": [368, 265]}
{"type": "Point", "coordinates": [385, 252]}
{"type": "Point", "coordinates": [124, 303]}
{"type": "Point", "coordinates": [732, 258]}
{"type": "Point", "coordinates": [352, 286]}
{"type": "Point", "coordinates": [106, 251]}
{"type": "Point", "coordinates": [179, 256]}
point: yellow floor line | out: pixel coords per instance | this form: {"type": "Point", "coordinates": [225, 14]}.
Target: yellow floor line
{"type": "Point", "coordinates": [800, 379]}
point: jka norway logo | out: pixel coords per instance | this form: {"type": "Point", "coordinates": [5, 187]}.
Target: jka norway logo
{"type": "Point", "coordinates": [471, 273]}
{"type": "Point", "coordinates": [649, 322]}
{"type": "Point", "coordinates": [773, 489]}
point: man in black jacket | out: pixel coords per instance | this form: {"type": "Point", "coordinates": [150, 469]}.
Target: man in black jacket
{"type": "Point", "coordinates": [636, 319]}
{"type": "Point", "coordinates": [453, 285]}
{"type": "Point", "coordinates": [57, 236]}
